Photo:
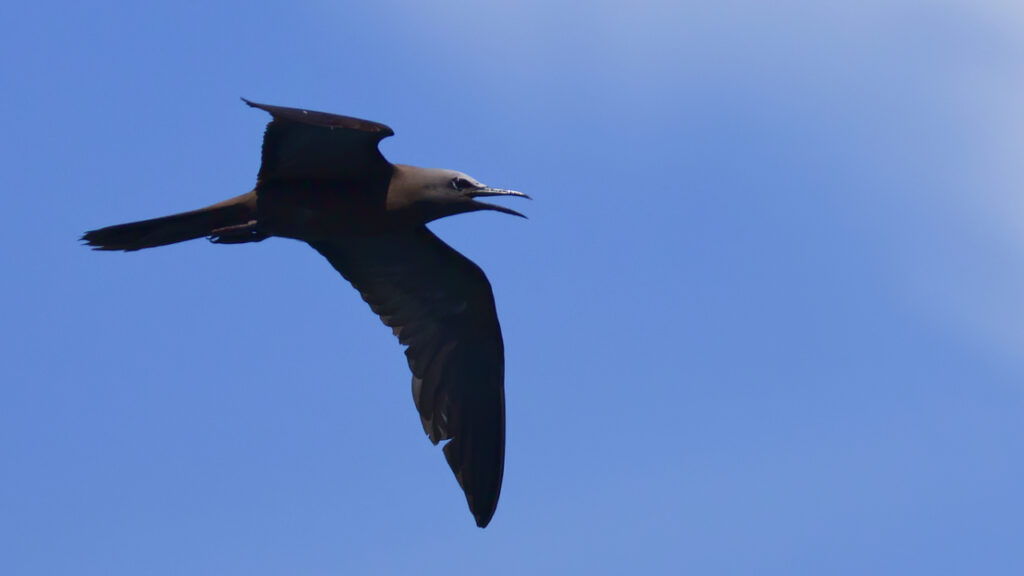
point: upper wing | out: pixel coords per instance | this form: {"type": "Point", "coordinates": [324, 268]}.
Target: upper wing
{"type": "Point", "coordinates": [440, 305]}
{"type": "Point", "coordinates": [303, 144]}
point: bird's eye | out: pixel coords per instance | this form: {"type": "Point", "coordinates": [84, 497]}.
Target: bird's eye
{"type": "Point", "coordinates": [461, 184]}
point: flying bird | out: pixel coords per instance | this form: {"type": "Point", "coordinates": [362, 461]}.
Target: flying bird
{"type": "Point", "coordinates": [323, 181]}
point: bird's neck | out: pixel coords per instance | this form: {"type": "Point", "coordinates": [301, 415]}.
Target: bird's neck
{"type": "Point", "coordinates": [412, 200]}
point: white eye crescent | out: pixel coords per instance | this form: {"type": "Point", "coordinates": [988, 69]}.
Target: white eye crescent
{"type": "Point", "coordinates": [462, 184]}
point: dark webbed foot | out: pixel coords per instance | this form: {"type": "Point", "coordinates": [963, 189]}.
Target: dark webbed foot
{"type": "Point", "coordinates": [239, 234]}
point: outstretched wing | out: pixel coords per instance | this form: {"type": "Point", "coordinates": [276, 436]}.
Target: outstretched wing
{"type": "Point", "coordinates": [440, 305]}
{"type": "Point", "coordinates": [309, 145]}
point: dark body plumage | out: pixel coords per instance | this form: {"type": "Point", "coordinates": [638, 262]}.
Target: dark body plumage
{"type": "Point", "coordinates": [323, 181]}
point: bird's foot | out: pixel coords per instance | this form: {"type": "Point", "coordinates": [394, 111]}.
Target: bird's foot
{"type": "Point", "coordinates": [239, 234]}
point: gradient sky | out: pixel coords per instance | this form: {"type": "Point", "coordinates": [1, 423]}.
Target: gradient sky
{"type": "Point", "coordinates": [766, 317]}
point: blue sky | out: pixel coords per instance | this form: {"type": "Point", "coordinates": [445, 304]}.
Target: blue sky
{"type": "Point", "coordinates": [767, 314]}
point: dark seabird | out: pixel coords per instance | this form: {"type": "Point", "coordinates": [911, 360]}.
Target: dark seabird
{"type": "Point", "coordinates": [323, 181]}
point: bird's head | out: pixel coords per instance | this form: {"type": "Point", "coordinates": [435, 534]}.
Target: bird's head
{"type": "Point", "coordinates": [434, 193]}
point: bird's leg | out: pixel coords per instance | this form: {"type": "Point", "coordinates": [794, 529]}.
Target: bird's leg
{"type": "Point", "coordinates": [238, 234]}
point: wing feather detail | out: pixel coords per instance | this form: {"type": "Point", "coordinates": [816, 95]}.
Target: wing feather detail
{"type": "Point", "coordinates": [441, 306]}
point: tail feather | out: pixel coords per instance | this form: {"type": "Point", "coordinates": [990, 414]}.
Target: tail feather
{"type": "Point", "coordinates": [174, 228]}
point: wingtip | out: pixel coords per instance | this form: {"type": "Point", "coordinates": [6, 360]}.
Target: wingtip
{"type": "Point", "coordinates": [482, 521]}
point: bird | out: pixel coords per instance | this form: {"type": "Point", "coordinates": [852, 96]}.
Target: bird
{"type": "Point", "coordinates": [323, 180]}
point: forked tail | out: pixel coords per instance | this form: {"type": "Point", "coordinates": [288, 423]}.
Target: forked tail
{"type": "Point", "coordinates": [236, 211]}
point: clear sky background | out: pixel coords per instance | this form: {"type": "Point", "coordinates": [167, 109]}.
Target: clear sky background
{"type": "Point", "coordinates": [767, 315]}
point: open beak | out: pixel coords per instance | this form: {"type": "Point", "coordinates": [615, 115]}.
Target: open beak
{"type": "Point", "coordinates": [486, 191]}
